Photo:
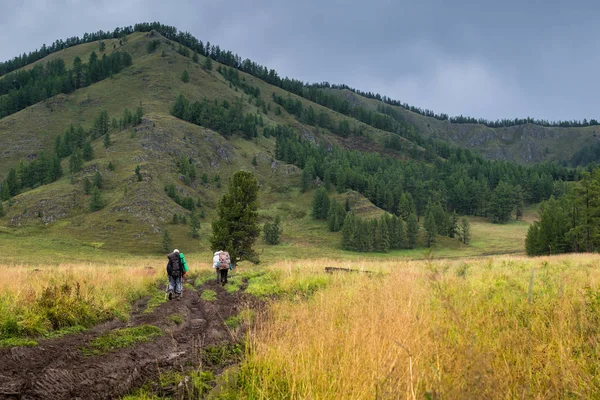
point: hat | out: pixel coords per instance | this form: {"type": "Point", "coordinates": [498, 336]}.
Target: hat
{"type": "Point", "coordinates": [175, 251]}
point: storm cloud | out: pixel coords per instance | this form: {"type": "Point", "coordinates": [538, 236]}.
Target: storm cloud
{"type": "Point", "coordinates": [477, 58]}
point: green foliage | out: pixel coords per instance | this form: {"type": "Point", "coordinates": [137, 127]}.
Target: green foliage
{"type": "Point", "coordinates": [110, 166]}
{"type": "Point", "coordinates": [96, 202]}
{"type": "Point", "coordinates": [502, 203]}
{"type": "Point", "coordinates": [430, 228]}
{"type": "Point", "coordinates": [186, 167]}
{"type": "Point", "coordinates": [107, 142]}
{"type": "Point", "coordinates": [225, 118]}
{"type": "Point", "coordinates": [412, 231]}
{"type": "Point", "coordinates": [185, 76]}
{"type": "Point", "coordinates": [465, 231]}
{"type": "Point", "coordinates": [98, 182]}
{"type": "Point", "coordinates": [2, 213]}
{"type": "Point", "coordinates": [87, 152]}
{"type": "Point", "coordinates": [121, 338]}
{"type": "Point", "coordinates": [207, 64]}
{"type": "Point", "coordinates": [176, 318]}
{"type": "Point", "coordinates": [167, 242]}
{"type": "Point", "coordinates": [273, 231]}
{"type": "Point", "coordinates": [320, 204]}
{"type": "Point", "coordinates": [75, 162]}
{"type": "Point", "coordinates": [336, 216]}
{"type": "Point", "coordinates": [195, 225]}
{"type": "Point", "coordinates": [17, 342]}
{"type": "Point", "coordinates": [209, 295]}
{"type": "Point", "coordinates": [24, 88]}
{"type": "Point", "coordinates": [152, 45]}
{"type": "Point", "coordinates": [87, 186]}
{"type": "Point", "coordinates": [236, 228]}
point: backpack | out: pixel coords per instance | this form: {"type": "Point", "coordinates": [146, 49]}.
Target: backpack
{"type": "Point", "coordinates": [176, 268]}
{"type": "Point", "coordinates": [224, 260]}
{"type": "Point", "coordinates": [183, 263]}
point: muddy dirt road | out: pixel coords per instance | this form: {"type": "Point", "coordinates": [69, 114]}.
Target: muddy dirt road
{"type": "Point", "coordinates": [58, 369]}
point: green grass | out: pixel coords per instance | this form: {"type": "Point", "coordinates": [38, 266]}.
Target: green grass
{"type": "Point", "coordinates": [157, 298]}
{"type": "Point", "coordinates": [66, 331]}
{"type": "Point", "coordinates": [176, 318]}
{"type": "Point", "coordinates": [120, 338]}
{"type": "Point", "coordinates": [236, 320]}
{"type": "Point", "coordinates": [209, 295]}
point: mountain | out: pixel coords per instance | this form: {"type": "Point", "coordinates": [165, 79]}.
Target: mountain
{"type": "Point", "coordinates": [201, 120]}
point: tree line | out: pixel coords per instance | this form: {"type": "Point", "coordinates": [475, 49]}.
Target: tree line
{"type": "Point", "coordinates": [465, 183]}
{"type": "Point", "coordinates": [74, 143]}
{"type": "Point", "coordinates": [568, 223]}
{"type": "Point", "coordinates": [223, 117]}
{"type": "Point", "coordinates": [262, 72]}
{"type": "Point", "coordinates": [22, 89]}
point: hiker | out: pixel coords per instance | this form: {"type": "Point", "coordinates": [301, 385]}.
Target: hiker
{"type": "Point", "coordinates": [176, 269]}
{"type": "Point", "coordinates": [216, 263]}
{"type": "Point", "coordinates": [223, 266]}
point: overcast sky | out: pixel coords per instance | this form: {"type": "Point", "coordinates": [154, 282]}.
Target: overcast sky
{"type": "Point", "coordinates": [491, 59]}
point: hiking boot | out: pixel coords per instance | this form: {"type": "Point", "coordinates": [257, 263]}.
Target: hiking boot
{"type": "Point", "coordinates": [170, 295]}
{"type": "Point", "coordinates": [179, 296]}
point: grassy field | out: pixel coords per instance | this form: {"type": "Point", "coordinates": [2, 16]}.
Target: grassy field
{"type": "Point", "coordinates": [504, 327]}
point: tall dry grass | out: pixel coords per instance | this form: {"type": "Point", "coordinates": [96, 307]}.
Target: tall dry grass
{"type": "Point", "coordinates": [37, 301]}
{"type": "Point", "coordinates": [436, 330]}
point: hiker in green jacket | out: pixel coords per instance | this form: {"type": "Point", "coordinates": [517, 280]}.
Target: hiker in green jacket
{"type": "Point", "coordinates": [176, 270]}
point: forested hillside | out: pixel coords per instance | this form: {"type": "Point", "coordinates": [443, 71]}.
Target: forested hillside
{"type": "Point", "coordinates": [128, 140]}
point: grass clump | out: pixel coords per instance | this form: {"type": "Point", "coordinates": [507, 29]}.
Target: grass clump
{"type": "Point", "coordinates": [176, 318]}
{"type": "Point", "coordinates": [66, 331]}
{"type": "Point", "coordinates": [120, 338]}
{"type": "Point", "coordinates": [222, 354]}
{"type": "Point", "coordinates": [209, 295]}
{"type": "Point", "coordinates": [204, 276]}
{"type": "Point", "coordinates": [157, 297]}
{"type": "Point", "coordinates": [236, 320]}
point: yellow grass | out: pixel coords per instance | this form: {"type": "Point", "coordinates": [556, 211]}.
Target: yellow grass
{"type": "Point", "coordinates": [442, 329]}
{"type": "Point", "coordinates": [40, 300]}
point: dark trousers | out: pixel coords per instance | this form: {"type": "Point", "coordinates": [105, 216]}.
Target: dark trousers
{"type": "Point", "coordinates": [223, 276]}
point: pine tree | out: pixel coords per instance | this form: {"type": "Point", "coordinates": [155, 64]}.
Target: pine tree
{"type": "Point", "coordinates": [167, 242]}
{"type": "Point", "coordinates": [412, 230]}
{"type": "Point", "coordinates": [98, 180]}
{"type": "Point", "coordinates": [195, 225]}
{"type": "Point", "coordinates": [430, 228]}
{"type": "Point", "coordinates": [87, 186]}
{"type": "Point", "coordinates": [502, 203]}
{"type": "Point", "coordinates": [349, 231]}
{"type": "Point", "coordinates": [107, 141]}
{"type": "Point", "coordinates": [195, 57]}
{"type": "Point", "coordinates": [5, 192]}
{"type": "Point", "coordinates": [88, 152]}
{"type": "Point", "coordinates": [236, 229]}
{"type": "Point", "coordinates": [1, 209]}
{"type": "Point", "coordinates": [207, 65]}
{"type": "Point", "coordinates": [96, 202]}
{"type": "Point", "coordinates": [185, 76]}
{"type": "Point", "coordinates": [465, 228]}
{"type": "Point", "coordinates": [320, 205]}
{"type": "Point", "coordinates": [273, 231]}
{"type": "Point", "coordinates": [75, 161]}
{"type": "Point", "coordinates": [175, 220]}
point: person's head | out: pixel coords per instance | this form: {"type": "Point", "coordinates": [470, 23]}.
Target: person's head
{"type": "Point", "coordinates": [175, 251]}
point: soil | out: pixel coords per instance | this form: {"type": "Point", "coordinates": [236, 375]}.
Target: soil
{"type": "Point", "coordinates": [58, 369]}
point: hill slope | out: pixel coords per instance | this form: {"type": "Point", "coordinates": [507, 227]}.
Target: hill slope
{"type": "Point", "coordinates": [528, 143]}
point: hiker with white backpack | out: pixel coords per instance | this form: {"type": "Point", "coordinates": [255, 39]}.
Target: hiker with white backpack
{"type": "Point", "coordinates": [222, 264]}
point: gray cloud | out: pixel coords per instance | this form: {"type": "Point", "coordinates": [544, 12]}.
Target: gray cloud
{"type": "Point", "coordinates": [478, 58]}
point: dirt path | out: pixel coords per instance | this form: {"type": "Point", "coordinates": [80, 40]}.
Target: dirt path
{"type": "Point", "coordinates": [57, 368]}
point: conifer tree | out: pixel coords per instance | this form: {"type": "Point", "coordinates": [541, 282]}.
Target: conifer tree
{"type": "Point", "coordinates": [87, 186]}
{"type": "Point", "coordinates": [1, 209]}
{"type": "Point", "coordinates": [185, 76]}
{"type": "Point", "coordinates": [412, 231]}
{"type": "Point", "coordinates": [273, 231]}
{"type": "Point", "coordinates": [87, 152]}
{"type": "Point", "coordinates": [75, 161]}
{"type": "Point", "coordinates": [320, 205]}
{"type": "Point", "coordinates": [167, 242]}
{"type": "Point", "coordinates": [236, 229]}
{"type": "Point", "coordinates": [465, 228]}
{"type": "Point", "coordinates": [98, 180]}
{"type": "Point", "coordinates": [430, 228]}
{"type": "Point", "coordinates": [195, 225]}
{"type": "Point", "coordinates": [96, 202]}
